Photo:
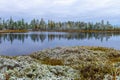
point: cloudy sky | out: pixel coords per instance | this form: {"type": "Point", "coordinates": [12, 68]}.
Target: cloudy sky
{"type": "Point", "coordinates": [62, 10]}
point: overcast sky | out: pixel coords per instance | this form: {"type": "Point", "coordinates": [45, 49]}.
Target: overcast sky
{"type": "Point", "coordinates": [60, 10]}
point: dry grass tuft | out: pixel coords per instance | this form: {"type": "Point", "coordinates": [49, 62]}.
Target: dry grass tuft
{"type": "Point", "coordinates": [13, 31]}
{"type": "Point", "coordinates": [114, 60]}
{"type": "Point", "coordinates": [52, 62]}
{"type": "Point", "coordinates": [7, 76]}
{"type": "Point", "coordinates": [104, 49]}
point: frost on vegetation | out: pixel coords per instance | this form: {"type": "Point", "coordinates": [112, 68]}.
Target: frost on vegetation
{"type": "Point", "coordinates": [16, 69]}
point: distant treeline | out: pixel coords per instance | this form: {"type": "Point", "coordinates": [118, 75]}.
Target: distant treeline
{"type": "Point", "coordinates": [41, 24]}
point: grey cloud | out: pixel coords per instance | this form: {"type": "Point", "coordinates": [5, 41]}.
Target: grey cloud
{"type": "Point", "coordinates": [62, 9]}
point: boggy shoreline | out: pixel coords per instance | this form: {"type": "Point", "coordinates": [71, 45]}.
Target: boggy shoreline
{"type": "Point", "coordinates": [70, 31]}
{"type": "Point", "coordinates": [63, 63]}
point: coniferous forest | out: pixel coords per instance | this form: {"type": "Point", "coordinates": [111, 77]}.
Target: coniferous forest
{"type": "Point", "coordinates": [41, 24]}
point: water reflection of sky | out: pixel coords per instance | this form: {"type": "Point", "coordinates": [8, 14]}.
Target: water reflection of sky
{"type": "Point", "coordinates": [22, 44]}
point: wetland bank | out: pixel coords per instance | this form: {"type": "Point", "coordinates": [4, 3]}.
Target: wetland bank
{"type": "Point", "coordinates": [63, 63]}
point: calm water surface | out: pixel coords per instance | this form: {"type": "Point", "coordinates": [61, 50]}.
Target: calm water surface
{"type": "Point", "coordinates": [25, 43]}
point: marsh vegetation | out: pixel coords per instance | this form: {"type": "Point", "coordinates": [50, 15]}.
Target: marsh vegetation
{"type": "Point", "coordinates": [77, 63]}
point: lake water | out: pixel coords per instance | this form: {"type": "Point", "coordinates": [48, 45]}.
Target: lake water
{"type": "Point", "coordinates": [25, 43]}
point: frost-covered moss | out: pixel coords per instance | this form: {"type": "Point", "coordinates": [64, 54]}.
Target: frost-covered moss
{"type": "Point", "coordinates": [63, 63]}
{"type": "Point", "coordinates": [24, 67]}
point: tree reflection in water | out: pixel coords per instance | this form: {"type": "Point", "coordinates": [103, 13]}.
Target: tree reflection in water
{"type": "Point", "coordinates": [36, 37]}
